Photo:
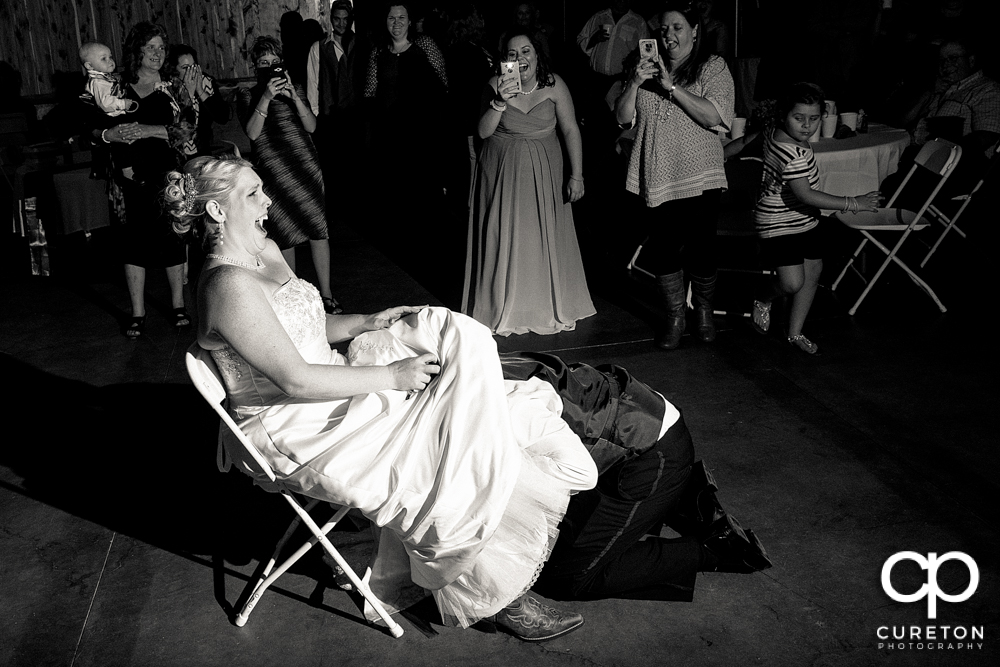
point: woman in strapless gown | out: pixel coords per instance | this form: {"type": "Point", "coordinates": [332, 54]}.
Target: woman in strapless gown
{"type": "Point", "coordinates": [466, 475]}
{"type": "Point", "coordinates": [523, 269]}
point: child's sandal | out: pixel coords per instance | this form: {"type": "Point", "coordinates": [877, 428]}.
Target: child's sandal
{"type": "Point", "coordinates": [761, 316]}
{"type": "Point", "coordinates": [803, 344]}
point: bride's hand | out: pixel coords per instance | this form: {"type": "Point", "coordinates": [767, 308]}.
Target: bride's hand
{"type": "Point", "coordinates": [415, 373]}
{"type": "Point", "coordinates": [386, 318]}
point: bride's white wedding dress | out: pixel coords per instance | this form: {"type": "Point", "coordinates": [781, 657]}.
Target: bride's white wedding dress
{"type": "Point", "coordinates": [467, 480]}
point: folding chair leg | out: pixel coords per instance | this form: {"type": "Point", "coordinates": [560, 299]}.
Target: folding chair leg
{"type": "Point", "coordinates": [849, 264]}
{"type": "Point", "coordinates": [268, 577]}
{"type": "Point", "coordinates": [948, 226]}
{"type": "Point", "coordinates": [891, 257]}
{"type": "Point", "coordinates": [632, 266]}
{"type": "Point", "coordinates": [361, 586]}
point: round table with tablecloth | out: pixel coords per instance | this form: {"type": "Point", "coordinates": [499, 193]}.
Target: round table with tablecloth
{"type": "Point", "coordinates": [858, 164]}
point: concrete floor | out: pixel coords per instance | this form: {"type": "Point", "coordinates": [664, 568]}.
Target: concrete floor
{"type": "Point", "coordinates": [122, 545]}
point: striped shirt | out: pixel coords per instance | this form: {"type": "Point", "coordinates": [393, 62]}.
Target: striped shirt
{"type": "Point", "coordinates": [778, 211]}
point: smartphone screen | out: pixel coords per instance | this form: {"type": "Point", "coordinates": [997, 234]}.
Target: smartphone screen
{"type": "Point", "coordinates": [647, 49]}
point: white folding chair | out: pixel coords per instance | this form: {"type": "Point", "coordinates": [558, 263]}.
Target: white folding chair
{"type": "Point", "coordinates": [963, 201]}
{"type": "Point", "coordinates": [938, 157]}
{"type": "Point", "coordinates": [205, 376]}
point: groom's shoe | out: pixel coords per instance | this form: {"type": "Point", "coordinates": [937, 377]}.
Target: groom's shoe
{"type": "Point", "coordinates": [731, 549]}
{"type": "Point", "coordinates": [528, 619]}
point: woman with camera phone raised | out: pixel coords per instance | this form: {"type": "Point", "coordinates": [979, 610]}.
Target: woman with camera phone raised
{"type": "Point", "coordinates": [279, 122]}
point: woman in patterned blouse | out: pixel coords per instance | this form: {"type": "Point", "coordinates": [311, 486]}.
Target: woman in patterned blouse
{"type": "Point", "coordinates": [678, 100]}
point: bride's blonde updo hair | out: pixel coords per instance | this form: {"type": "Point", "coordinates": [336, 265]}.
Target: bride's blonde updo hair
{"type": "Point", "coordinates": [202, 180]}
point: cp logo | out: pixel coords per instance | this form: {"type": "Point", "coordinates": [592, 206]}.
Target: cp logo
{"type": "Point", "coordinates": [930, 590]}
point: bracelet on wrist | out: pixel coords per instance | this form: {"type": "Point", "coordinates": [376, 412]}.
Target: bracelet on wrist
{"type": "Point", "coordinates": [104, 138]}
{"type": "Point", "coordinates": [497, 106]}
{"type": "Point", "coordinates": [260, 113]}
{"type": "Point", "coordinates": [576, 178]}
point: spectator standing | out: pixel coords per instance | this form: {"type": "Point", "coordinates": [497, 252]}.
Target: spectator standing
{"type": "Point", "coordinates": [523, 269]}
{"type": "Point", "coordinates": [279, 123]}
{"type": "Point", "coordinates": [679, 104]}
{"type": "Point", "coordinates": [199, 101]}
{"type": "Point", "coordinates": [527, 20]}
{"type": "Point", "coordinates": [333, 90]}
{"type": "Point", "coordinates": [154, 138]}
{"type": "Point", "coordinates": [609, 36]}
{"type": "Point", "coordinates": [406, 85]}
{"type": "Point", "coordinates": [606, 39]}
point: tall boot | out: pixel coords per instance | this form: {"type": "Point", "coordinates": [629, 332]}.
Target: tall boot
{"type": "Point", "coordinates": [672, 292]}
{"type": "Point", "coordinates": [702, 294]}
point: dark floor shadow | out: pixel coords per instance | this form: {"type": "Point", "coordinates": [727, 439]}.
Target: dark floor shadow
{"type": "Point", "coordinates": [139, 459]}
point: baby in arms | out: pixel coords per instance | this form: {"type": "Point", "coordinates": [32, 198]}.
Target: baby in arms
{"type": "Point", "coordinates": [102, 82]}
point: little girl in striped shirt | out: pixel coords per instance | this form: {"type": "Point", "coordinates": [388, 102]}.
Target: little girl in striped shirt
{"type": "Point", "coordinates": [787, 212]}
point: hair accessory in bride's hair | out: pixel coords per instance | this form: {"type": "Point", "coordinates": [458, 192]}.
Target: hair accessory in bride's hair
{"type": "Point", "coordinates": [189, 191]}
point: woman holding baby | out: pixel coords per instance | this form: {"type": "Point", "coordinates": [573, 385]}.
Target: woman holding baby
{"type": "Point", "coordinates": [153, 138]}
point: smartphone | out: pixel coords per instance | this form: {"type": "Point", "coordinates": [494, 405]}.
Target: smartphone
{"type": "Point", "coordinates": [265, 74]}
{"type": "Point", "coordinates": [647, 49]}
{"type": "Point", "coordinates": [511, 69]}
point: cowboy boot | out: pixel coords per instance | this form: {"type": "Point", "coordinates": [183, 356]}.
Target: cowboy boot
{"type": "Point", "coordinates": [672, 293]}
{"type": "Point", "coordinates": [528, 619]}
{"type": "Point", "coordinates": [702, 294]}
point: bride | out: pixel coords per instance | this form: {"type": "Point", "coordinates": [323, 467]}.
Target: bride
{"type": "Point", "coordinates": [465, 476]}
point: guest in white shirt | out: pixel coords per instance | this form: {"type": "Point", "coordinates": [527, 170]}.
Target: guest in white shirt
{"type": "Point", "coordinates": [610, 35]}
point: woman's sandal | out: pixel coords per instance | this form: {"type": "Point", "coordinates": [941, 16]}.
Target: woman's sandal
{"type": "Point", "coordinates": [331, 306]}
{"type": "Point", "coordinates": [181, 318]}
{"type": "Point", "coordinates": [803, 343]}
{"type": "Point", "coordinates": [135, 328]}
{"type": "Point", "coordinates": [761, 317]}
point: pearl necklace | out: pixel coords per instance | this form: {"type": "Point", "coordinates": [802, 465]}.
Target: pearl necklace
{"type": "Point", "coordinates": [533, 88]}
{"type": "Point", "coordinates": [237, 262]}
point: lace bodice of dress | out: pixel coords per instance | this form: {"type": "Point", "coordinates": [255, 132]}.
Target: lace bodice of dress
{"type": "Point", "coordinates": [299, 308]}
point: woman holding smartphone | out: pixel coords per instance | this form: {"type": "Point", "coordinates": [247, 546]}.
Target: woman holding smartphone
{"type": "Point", "coordinates": [277, 119]}
{"type": "Point", "coordinates": [523, 270]}
{"type": "Point", "coordinates": [679, 98]}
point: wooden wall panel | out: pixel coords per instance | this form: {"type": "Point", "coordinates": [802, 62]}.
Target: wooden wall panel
{"type": "Point", "coordinates": [41, 37]}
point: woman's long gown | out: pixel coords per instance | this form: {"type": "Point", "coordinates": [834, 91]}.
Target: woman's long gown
{"type": "Point", "coordinates": [467, 480]}
{"type": "Point", "coordinates": [523, 270]}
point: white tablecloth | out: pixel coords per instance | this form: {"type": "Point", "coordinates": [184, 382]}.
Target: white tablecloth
{"type": "Point", "coordinates": [857, 165]}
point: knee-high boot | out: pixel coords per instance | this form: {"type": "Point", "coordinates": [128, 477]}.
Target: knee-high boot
{"type": "Point", "coordinates": [702, 294]}
{"type": "Point", "coordinates": [672, 292]}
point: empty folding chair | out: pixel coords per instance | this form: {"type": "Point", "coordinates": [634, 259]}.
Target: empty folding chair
{"type": "Point", "coordinates": [938, 157]}
{"type": "Point", "coordinates": [205, 376]}
{"type": "Point", "coordinates": [963, 201]}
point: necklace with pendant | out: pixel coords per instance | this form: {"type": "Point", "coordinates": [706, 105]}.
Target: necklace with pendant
{"type": "Point", "coordinates": [663, 107]}
{"type": "Point", "coordinates": [238, 262]}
